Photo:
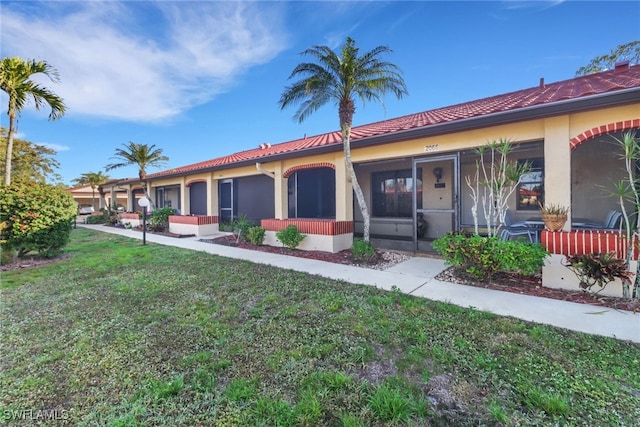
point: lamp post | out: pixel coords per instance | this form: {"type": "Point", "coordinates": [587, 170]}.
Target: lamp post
{"type": "Point", "coordinates": [144, 203]}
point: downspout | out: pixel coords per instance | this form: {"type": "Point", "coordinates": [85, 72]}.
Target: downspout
{"type": "Point", "coordinates": [264, 171]}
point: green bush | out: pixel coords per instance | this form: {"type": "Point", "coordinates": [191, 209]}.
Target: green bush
{"type": "Point", "coordinates": [241, 225]}
{"type": "Point", "coordinates": [159, 219]}
{"type": "Point", "coordinates": [290, 236]}
{"type": "Point", "coordinates": [98, 219]}
{"type": "Point", "coordinates": [481, 257]}
{"type": "Point", "coordinates": [363, 251]}
{"type": "Point", "coordinates": [255, 235]}
{"type": "Point", "coordinates": [35, 217]}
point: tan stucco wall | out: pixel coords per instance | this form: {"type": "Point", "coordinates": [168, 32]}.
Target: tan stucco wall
{"type": "Point", "coordinates": [556, 132]}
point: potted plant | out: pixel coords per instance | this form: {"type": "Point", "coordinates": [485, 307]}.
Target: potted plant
{"type": "Point", "coordinates": [554, 216]}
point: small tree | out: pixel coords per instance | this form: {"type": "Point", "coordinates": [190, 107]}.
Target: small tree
{"type": "Point", "coordinates": [628, 190]}
{"type": "Point", "coordinates": [495, 180]}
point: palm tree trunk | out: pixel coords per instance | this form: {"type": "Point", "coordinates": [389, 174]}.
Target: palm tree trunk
{"type": "Point", "coordinates": [8, 158]}
{"type": "Point", "coordinates": [362, 204]}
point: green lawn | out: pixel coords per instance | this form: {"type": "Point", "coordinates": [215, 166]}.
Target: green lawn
{"type": "Point", "coordinates": [122, 334]}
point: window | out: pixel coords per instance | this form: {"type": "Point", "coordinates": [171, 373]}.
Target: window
{"type": "Point", "coordinates": [393, 193]}
{"type": "Point", "coordinates": [531, 188]}
{"type": "Point", "coordinates": [312, 193]}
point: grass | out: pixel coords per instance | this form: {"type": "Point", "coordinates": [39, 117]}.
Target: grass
{"type": "Point", "coordinates": [122, 334]}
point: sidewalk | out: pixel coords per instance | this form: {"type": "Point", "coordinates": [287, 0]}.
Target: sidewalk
{"type": "Point", "coordinates": [416, 276]}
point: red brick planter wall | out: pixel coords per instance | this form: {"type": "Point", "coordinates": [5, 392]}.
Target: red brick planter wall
{"type": "Point", "coordinates": [129, 216]}
{"type": "Point", "coordinates": [579, 242]}
{"type": "Point", "coordinates": [323, 227]}
{"type": "Point", "coordinates": [193, 220]}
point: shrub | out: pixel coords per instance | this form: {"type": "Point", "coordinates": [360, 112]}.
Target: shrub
{"type": "Point", "coordinates": [598, 269]}
{"type": "Point", "coordinates": [481, 257]}
{"type": "Point", "coordinates": [241, 225]}
{"type": "Point", "coordinates": [290, 236]}
{"type": "Point", "coordinates": [255, 235]}
{"type": "Point", "coordinates": [98, 219]}
{"type": "Point", "coordinates": [159, 219]}
{"type": "Point", "coordinates": [35, 217]}
{"type": "Point", "coordinates": [363, 251]}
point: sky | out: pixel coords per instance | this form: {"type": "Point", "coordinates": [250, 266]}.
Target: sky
{"type": "Point", "coordinates": [202, 79]}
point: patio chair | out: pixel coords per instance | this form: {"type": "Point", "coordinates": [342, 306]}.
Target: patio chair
{"type": "Point", "coordinates": [513, 229]}
{"type": "Point", "coordinates": [610, 222]}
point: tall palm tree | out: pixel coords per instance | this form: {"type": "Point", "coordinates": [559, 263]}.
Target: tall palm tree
{"type": "Point", "coordinates": [342, 79]}
{"type": "Point", "coordinates": [15, 81]}
{"type": "Point", "coordinates": [141, 155]}
{"type": "Point", "coordinates": [94, 180]}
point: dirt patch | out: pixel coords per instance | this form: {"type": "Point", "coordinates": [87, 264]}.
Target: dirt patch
{"type": "Point", "coordinates": [33, 261]}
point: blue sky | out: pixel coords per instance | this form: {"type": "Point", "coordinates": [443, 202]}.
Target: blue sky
{"type": "Point", "coordinates": [202, 79]}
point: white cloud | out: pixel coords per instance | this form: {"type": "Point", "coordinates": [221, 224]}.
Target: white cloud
{"type": "Point", "coordinates": [116, 62]}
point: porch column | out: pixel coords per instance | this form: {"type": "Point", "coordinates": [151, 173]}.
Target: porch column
{"type": "Point", "coordinates": [344, 190]}
{"type": "Point", "coordinates": [212, 196]}
{"type": "Point", "coordinates": [185, 208]}
{"type": "Point", "coordinates": [281, 195]}
{"type": "Point", "coordinates": [130, 207]}
{"type": "Point", "coordinates": [557, 163]}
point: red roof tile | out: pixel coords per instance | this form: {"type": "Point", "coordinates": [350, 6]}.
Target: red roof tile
{"type": "Point", "coordinates": [593, 84]}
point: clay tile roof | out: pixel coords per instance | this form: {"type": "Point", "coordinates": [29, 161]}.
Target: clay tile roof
{"type": "Point", "coordinates": [625, 77]}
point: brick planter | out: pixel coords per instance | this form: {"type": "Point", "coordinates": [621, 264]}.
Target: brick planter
{"type": "Point", "coordinates": [580, 242]}
{"type": "Point", "coordinates": [200, 225]}
{"type": "Point", "coordinates": [326, 235]}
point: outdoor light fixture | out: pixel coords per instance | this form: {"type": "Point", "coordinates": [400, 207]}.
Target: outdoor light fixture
{"type": "Point", "coordinates": [437, 172]}
{"type": "Point", "coordinates": [144, 203]}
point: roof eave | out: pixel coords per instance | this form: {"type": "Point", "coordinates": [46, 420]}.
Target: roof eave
{"type": "Point", "coordinates": [586, 103]}
{"type": "Point", "coordinates": [569, 106]}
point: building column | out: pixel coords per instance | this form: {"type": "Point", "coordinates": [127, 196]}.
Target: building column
{"type": "Point", "coordinates": [344, 190]}
{"type": "Point", "coordinates": [212, 196]}
{"type": "Point", "coordinates": [281, 194]}
{"type": "Point", "coordinates": [557, 164]}
{"type": "Point", "coordinates": [185, 208]}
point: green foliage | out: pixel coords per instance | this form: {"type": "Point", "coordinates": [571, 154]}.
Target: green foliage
{"type": "Point", "coordinates": [598, 269]}
{"type": "Point", "coordinates": [290, 236]}
{"type": "Point", "coordinates": [627, 51]}
{"type": "Point", "coordinates": [363, 251]}
{"type": "Point", "coordinates": [98, 219]}
{"type": "Point", "coordinates": [30, 161]}
{"type": "Point", "coordinates": [553, 209]}
{"type": "Point", "coordinates": [159, 219]}
{"type": "Point", "coordinates": [388, 404]}
{"type": "Point", "coordinates": [481, 257]}
{"type": "Point", "coordinates": [241, 225]}
{"type": "Point", "coordinates": [35, 217]}
{"type": "Point", "coordinates": [255, 235]}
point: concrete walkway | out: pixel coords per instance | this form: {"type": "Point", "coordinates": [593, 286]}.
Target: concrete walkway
{"type": "Point", "coordinates": [416, 276]}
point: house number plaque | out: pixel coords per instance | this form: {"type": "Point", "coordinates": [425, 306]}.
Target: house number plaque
{"type": "Point", "coordinates": [428, 148]}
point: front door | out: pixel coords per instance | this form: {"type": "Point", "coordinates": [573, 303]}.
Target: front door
{"type": "Point", "coordinates": [226, 201]}
{"type": "Point", "coordinates": [439, 193]}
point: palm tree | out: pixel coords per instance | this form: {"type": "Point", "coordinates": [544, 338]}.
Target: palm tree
{"type": "Point", "coordinates": [341, 79]}
{"type": "Point", "coordinates": [141, 155]}
{"type": "Point", "coordinates": [94, 180]}
{"type": "Point", "coordinates": [15, 81]}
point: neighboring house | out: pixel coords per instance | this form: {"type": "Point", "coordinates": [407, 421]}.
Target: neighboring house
{"type": "Point", "coordinates": [84, 195]}
{"type": "Point", "coordinates": [418, 164]}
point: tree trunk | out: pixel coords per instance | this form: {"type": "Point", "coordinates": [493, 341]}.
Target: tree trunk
{"type": "Point", "coordinates": [362, 204]}
{"type": "Point", "coordinates": [8, 159]}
